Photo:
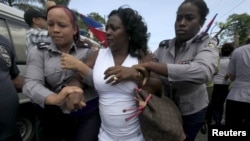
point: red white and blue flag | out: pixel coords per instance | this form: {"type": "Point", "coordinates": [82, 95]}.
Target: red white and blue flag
{"type": "Point", "coordinates": [210, 24]}
{"type": "Point", "coordinates": [96, 28]}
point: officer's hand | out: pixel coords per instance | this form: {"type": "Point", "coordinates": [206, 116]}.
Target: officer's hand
{"type": "Point", "coordinates": [75, 101]}
{"type": "Point", "coordinates": [69, 62]}
{"type": "Point", "coordinates": [50, 3]}
{"type": "Point", "coordinates": [65, 92]}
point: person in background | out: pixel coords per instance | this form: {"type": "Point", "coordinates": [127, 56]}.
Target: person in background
{"type": "Point", "coordinates": [60, 112]}
{"type": "Point", "coordinates": [110, 71]}
{"type": "Point", "coordinates": [238, 99]}
{"type": "Point", "coordinates": [221, 84]}
{"type": "Point", "coordinates": [186, 63]}
{"type": "Point", "coordinates": [38, 32]}
{"type": "Point", "coordinates": [10, 83]}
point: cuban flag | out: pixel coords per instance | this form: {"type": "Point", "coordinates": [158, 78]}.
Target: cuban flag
{"type": "Point", "coordinates": [205, 31]}
{"type": "Point", "coordinates": [210, 24]}
{"type": "Point", "coordinates": [96, 28]}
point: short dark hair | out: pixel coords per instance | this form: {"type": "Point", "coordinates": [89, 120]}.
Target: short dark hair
{"type": "Point", "coordinates": [247, 40]}
{"type": "Point", "coordinates": [202, 7]}
{"type": "Point", "coordinates": [33, 13]}
{"type": "Point", "coordinates": [227, 49]}
{"type": "Point", "coordinates": [136, 29]}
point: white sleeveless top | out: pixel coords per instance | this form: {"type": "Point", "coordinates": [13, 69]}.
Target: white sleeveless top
{"type": "Point", "coordinates": [113, 99]}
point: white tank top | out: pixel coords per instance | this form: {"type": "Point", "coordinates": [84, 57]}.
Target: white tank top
{"type": "Point", "coordinates": [113, 99]}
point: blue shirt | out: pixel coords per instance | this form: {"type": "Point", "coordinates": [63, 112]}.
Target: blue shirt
{"type": "Point", "coordinates": [8, 95]}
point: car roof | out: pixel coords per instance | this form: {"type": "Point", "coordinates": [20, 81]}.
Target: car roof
{"type": "Point", "coordinates": [11, 12]}
{"type": "Point", "coordinates": [91, 40]}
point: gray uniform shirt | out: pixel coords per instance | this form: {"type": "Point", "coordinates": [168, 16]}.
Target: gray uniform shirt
{"type": "Point", "coordinates": [44, 75]}
{"type": "Point", "coordinates": [240, 67]}
{"type": "Point", "coordinates": [189, 71]}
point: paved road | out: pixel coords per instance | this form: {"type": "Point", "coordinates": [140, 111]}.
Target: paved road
{"type": "Point", "coordinates": [201, 137]}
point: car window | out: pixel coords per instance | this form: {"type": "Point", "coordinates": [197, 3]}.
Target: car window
{"type": "Point", "coordinates": [4, 29]}
{"type": "Point", "coordinates": [18, 32]}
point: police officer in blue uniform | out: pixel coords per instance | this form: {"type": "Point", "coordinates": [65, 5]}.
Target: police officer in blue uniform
{"type": "Point", "coordinates": [9, 82]}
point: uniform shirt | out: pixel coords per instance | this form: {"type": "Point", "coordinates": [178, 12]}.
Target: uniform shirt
{"type": "Point", "coordinates": [44, 75]}
{"type": "Point", "coordinates": [219, 78]}
{"type": "Point", "coordinates": [189, 71]}
{"type": "Point", "coordinates": [240, 67]}
{"type": "Point", "coordinates": [8, 95]}
{"type": "Point", "coordinates": [34, 36]}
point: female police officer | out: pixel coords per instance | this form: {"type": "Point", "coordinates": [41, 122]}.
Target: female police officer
{"type": "Point", "coordinates": [186, 63]}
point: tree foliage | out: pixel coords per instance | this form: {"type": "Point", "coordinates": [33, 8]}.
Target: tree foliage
{"type": "Point", "coordinates": [236, 29]}
{"type": "Point", "coordinates": [97, 17]}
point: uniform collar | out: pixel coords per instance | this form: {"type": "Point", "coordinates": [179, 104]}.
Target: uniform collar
{"type": "Point", "coordinates": [184, 46]}
{"type": "Point", "coordinates": [54, 48]}
{"type": "Point", "coordinates": [196, 39]}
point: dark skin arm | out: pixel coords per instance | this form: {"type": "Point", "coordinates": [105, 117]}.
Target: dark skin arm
{"type": "Point", "coordinates": [159, 68]}
{"type": "Point", "coordinates": [231, 77]}
{"type": "Point", "coordinates": [18, 83]}
{"type": "Point", "coordinates": [137, 74]}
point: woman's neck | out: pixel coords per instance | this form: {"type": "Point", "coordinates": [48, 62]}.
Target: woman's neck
{"type": "Point", "coordinates": [119, 56]}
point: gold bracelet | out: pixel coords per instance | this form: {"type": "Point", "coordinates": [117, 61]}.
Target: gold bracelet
{"type": "Point", "coordinates": [139, 74]}
{"type": "Point", "coordinates": [144, 81]}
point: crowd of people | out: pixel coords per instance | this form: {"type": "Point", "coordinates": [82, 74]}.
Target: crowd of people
{"type": "Point", "coordinates": [80, 93]}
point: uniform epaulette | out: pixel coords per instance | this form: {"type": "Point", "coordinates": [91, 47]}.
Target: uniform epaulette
{"type": "Point", "coordinates": [201, 37]}
{"type": "Point", "coordinates": [43, 44]}
{"type": "Point", "coordinates": [164, 43]}
{"type": "Point", "coordinates": [213, 42]}
{"type": "Point", "coordinates": [83, 45]}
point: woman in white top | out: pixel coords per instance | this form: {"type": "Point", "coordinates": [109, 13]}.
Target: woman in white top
{"type": "Point", "coordinates": [238, 99]}
{"type": "Point", "coordinates": [111, 73]}
{"type": "Point", "coordinates": [221, 84]}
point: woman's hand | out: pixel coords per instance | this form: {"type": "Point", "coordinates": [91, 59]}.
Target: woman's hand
{"type": "Point", "coordinates": [60, 98]}
{"type": "Point", "coordinates": [143, 72]}
{"type": "Point", "coordinates": [70, 62]}
{"type": "Point", "coordinates": [75, 101]}
{"type": "Point", "coordinates": [50, 3]}
{"type": "Point", "coordinates": [118, 74]}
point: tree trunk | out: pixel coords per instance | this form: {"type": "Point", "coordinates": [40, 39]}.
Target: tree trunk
{"type": "Point", "coordinates": [236, 40]}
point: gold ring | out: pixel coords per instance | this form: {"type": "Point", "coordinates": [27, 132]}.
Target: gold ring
{"type": "Point", "coordinates": [115, 78]}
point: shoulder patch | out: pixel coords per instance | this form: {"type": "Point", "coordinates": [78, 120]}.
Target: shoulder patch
{"type": "Point", "coordinates": [212, 43]}
{"type": "Point", "coordinates": [83, 45]}
{"type": "Point", "coordinates": [5, 55]}
{"type": "Point", "coordinates": [164, 43]}
{"type": "Point", "coordinates": [43, 44]}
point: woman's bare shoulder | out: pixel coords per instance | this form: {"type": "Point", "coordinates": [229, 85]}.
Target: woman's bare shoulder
{"type": "Point", "coordinates": [92, 58]}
